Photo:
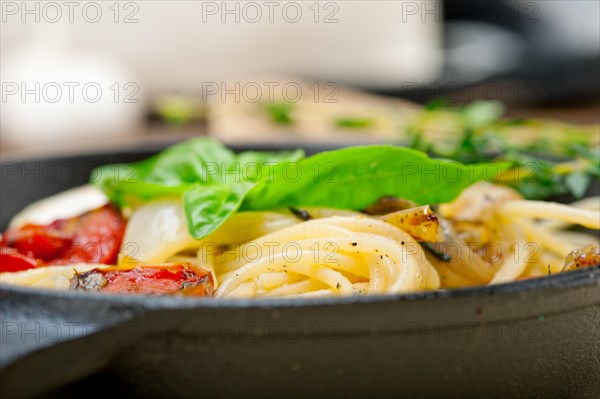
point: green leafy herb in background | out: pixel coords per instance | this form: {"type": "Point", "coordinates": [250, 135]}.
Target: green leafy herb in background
{"type": "Point", "coordinates": [354, 123]}
{"type": "Point", "coordinates": [280, 112]}
{"type": "Point", "coordinates": [179, 110]}
{"type": "Point", "coordinates": [556, 159]}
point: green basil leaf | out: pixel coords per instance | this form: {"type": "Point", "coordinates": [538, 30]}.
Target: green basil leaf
{"type": "Point", "coordinates": [214, 182]}
{"type": "Point", "coordinates": [254, 165]}
{"type": "Point", "coordinates": [124, 186]}
{"type": "Point", "coordinates": [169, 173]}
{"type": "Point", "coordinates": [208, 207]}
{"type": "Point", "coordinates": [212, 179]}
{"type": "Point", "coordinates": [354, 178]}
{"type": "Point", "coordinates": [196, 160]}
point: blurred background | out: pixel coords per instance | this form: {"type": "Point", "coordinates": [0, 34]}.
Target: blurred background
{"type": "Point", "coordinates": [84, 75]}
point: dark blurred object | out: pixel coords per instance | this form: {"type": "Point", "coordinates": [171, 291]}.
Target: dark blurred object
{"type": "Point", "coordinates": [529, 53]}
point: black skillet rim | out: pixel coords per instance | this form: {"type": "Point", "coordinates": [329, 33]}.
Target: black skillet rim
{"type": "Point", "coordinates": [572, 279]}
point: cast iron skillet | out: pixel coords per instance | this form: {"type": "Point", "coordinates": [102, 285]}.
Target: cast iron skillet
{"type": "Point", "coordinates": [534, 338]}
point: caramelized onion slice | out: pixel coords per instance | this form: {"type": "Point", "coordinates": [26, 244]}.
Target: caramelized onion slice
{"type": "Point", "coordinates": [421, 223]}
{"type": "Point", "coordinates": [587, 256]}
{"type": "Point", "coordinates": [388, 205]}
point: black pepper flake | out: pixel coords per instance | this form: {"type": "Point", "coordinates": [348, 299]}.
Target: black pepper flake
{"type": "Point", "coordinates": [338, 285]}
{"type": "Point", "coordinates": [354, 244]}
{"type": "Point", "coordinates": [402, 242]}
{"type": "Point", "coordinates": [300, 214]}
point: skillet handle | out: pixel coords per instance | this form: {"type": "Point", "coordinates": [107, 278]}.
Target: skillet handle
{"type": "Point", "coordinates": [54, 338]}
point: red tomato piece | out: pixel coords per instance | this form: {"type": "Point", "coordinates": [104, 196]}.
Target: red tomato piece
{"type": "Point", "coordinates": [96, 239]}
{"type": "Point", "coordinates": [171, 278]}
{"type": "Point", "coordinates": [12, 261]}
{"type": "Point", "coordinates": [39, 242]}
{"type": "Point", "coordinates": [93, 237]}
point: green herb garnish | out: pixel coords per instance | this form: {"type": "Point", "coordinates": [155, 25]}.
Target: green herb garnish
{"type": "Point", "coordinates": [354, 123]}
{"type": "Point", "coordinates": [280, 112]}
{"type": "Point", "coordinates": [553, 158]}
{"type": "Point", "coordinates": [214, 182]}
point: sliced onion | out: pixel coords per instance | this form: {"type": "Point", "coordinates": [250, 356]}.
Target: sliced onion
{"type": "Point", "coordinates": [155, 231]}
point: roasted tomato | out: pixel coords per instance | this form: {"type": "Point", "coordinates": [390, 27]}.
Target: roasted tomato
{"type": "Point", "coordinates": [13, 261]}
{"type": "Point", "coordinates": [93, 237]}
{"type": "Point", "coordinates": [40, 242]}
{"type": "Point", "coordinates": [165, 279]}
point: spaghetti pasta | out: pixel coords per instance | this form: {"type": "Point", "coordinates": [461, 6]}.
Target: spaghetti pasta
{"type": "Point", "coordinates": [341, 254]}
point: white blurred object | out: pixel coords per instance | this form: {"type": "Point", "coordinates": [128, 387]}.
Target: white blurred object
{"type": "Point", "coordinates": [179, 45]}
{"type": "Point", "coordinates": [572, 26]}
{"type": "Point", "coordinates": [477, 51]}
{"type": "Point", "coordinates": [52, 93]}
{"type": "Point", "coordinates": [67, 204]}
